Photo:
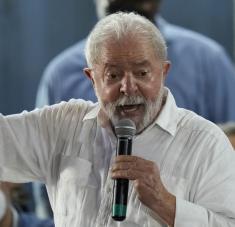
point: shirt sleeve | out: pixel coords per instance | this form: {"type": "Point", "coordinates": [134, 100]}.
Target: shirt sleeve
{"type": "Point", "coordinates": [31, 141]}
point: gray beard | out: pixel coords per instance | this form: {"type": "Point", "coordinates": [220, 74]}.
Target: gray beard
{"type": "Point", "coordinates": [152, 108]}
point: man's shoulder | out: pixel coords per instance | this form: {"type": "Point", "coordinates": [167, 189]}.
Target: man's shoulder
{"type": "Point", "coordinates": [69, 62]}
{"type": "Point", "coordinates": [178, 35]}
{"type": "Point", "coordinates": [72, 106]}
{"type": "Point", "coordinates": [192, 122]}
{"type": "Point", "coordinates": [71, 55]}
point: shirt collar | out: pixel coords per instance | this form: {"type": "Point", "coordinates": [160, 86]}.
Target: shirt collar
{"type": "Point", "coordinates": [169, 115]}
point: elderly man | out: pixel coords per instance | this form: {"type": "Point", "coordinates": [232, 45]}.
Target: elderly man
{"type": "Point", "coordinates": [203, 83]}
{"type": "Point", "coordinates": [182, 168]}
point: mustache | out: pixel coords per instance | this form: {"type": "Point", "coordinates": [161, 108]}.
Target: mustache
{"type": "Point", "coordinates": [129, 100]}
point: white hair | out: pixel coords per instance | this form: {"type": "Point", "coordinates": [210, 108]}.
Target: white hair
{"type": "Point", "coordinates": [118, 26]}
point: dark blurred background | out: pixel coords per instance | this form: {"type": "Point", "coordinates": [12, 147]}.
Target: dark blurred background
{"type": "Point", "coordinates": [32, 32]}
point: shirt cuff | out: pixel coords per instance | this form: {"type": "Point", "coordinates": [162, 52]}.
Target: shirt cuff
{"type": "Point", "coordinates": [190, 214]}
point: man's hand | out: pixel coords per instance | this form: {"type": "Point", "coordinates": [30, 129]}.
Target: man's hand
{"type": "Point", "coordinates": [148, 185]}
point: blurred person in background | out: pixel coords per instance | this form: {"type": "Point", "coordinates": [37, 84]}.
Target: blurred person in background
{"type": "Point", "coordinates": [202, 77]}
{"type": "Point", "coordinates": [12, 197]}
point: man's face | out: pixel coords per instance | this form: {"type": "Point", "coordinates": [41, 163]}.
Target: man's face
{"type": "Point", "coordinates": [129, 81]}
{"type": "Point", "coordinates": [147, 8]}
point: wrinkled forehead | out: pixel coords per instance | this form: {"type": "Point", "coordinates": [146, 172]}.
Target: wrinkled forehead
{"type": "Point", "coordinates": [126, 50]}
{"type": "Point", "coordinates": [129, 40]}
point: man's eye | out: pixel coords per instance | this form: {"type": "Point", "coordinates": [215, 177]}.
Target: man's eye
{"type": "Point", "coordinates": [143, 73]}
{"type": "Point", "coordinates": [112, 76]}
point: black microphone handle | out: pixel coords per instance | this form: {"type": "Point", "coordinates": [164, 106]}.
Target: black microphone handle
{"type": "Point", "coordinates": [120, 189]}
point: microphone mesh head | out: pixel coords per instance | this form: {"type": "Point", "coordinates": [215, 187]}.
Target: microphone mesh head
{"type": "Point", "coordinates": [125, 128]}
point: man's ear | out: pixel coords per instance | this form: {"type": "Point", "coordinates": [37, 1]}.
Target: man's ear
{"type": "Point", "coordinates": [166, 68]}
{"type": "Point", "coordinates": [88, 72]}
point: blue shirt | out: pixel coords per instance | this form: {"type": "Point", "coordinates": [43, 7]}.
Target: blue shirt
{"type": "Point", "coordinates": [30, 220]}
{"type": "Point", "coordinates": [202, 77]}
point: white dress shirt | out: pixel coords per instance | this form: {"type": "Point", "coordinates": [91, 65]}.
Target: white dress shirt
{"type": "Point", "coordinates": [65, 147]}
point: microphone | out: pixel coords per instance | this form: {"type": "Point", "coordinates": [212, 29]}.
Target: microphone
{"type": "Point", "coordinates": [125, 130]}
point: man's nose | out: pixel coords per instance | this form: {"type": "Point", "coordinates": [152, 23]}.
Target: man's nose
{"type": "Point", "coordinates": [128, 85]}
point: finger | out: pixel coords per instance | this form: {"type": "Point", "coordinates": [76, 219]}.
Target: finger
{"type": "Point", "coordinates": [129, 174]}
{"type": "Point", "coordinates": [148, 179]}
{"type": "Point", "coordinates": [135, 164]}
{"type": "Point", "coordinates": [133, 160]}
{"type": "Point", "coordinates": [130, 158]}
{"type": "Point", "coordinates": [122, 166]}
{"type": "Point", "coordinates": [127, 158]}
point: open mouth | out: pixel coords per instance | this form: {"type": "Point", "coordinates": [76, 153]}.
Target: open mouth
{"type": "Point", "coordinates": [130, 108]}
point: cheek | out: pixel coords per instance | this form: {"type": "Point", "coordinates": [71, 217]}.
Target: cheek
{"type": "Point", "coordinates": [109, 93]}
{"type": "Point", "coordinates": [150, 90]}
